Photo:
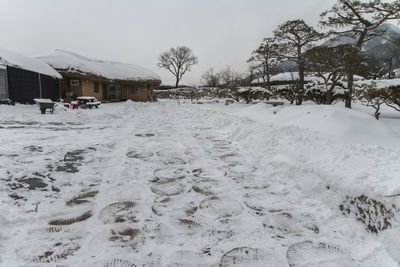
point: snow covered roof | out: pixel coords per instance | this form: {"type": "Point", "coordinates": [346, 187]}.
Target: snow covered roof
{"type": "Point", "coordinates": [71, 62]}
{"type": "Point", "coordinates": [12, 59]}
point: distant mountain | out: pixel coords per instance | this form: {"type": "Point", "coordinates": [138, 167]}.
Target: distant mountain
{"type": "Point", "coordinates": [379, 48]}
{"type": "Point", "coordinates": [288, 66]}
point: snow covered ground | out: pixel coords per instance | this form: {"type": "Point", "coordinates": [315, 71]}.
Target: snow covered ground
{"type": "Point", "coordinates": [173, 184]}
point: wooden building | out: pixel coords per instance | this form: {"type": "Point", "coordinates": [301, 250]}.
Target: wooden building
{"type": "Point", "coordinates": [105, 80]}
{"type": "Point", "coordinates": [23, 78]}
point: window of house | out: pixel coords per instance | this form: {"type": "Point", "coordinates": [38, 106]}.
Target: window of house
{"type": "Point", "coordinates": [74, 82]}
{"type": "Point", "coordinates": [96, 87]}
{"type": "Point", "coordinates": [135, 91]}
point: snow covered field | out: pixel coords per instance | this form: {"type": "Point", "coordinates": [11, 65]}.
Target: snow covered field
{"type": "Point", "coordinates": [173, 184]}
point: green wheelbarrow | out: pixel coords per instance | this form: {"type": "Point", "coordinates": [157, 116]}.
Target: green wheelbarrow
{"type": "Point", "coordinates": [45, 104]}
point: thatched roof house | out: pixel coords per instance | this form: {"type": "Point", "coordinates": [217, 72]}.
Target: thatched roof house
{"type": "Point", "coordinates": [23, 78]}
{"type": "Point", "coordinates": [105, 80]}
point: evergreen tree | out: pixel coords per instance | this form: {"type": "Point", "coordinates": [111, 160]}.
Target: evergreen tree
{"type": "Point", "coordinates": [359, 20]}
{"type": "Point", "coordinates": [294, 37]}
{"type": "Point", "coordinates": [264, 60]}
{"type": "Point", "coordinates": [332, 63]}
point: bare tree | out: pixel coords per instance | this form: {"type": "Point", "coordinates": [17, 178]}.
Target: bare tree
{"type": "Point", "coordinates": [294, 37]}
{"type": "Point", "coordinates": [229, 76]}
{"type": "Point", "coordinates": [264, 60]}
{"type": "Point", "coordinates": [359, 20]}
{"type": "Point", "coordinates": [211, 78]}
{"type": "Point", "coordinates": [178, 61]}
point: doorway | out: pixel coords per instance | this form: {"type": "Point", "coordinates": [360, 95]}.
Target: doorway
{"type": "Point", "coordinates": [115, 92]}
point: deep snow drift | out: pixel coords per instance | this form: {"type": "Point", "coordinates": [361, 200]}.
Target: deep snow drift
{"type": "Point", "coordinates": [173, 184]}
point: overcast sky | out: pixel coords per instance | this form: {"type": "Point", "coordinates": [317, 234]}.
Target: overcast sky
{"type": "Point", "coordinates": [220, 32]}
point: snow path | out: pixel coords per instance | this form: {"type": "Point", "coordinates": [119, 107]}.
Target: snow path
{"type": "Point", "coordinates": [171, 185]}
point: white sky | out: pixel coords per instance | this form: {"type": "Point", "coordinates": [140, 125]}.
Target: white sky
{"type": "Point", "coordinates": [220, 32]}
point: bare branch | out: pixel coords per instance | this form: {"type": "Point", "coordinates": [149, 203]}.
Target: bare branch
{"type": "Point", "coordinates": [178, 61]}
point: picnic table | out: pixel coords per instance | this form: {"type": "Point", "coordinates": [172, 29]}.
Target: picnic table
{"type": "Point", "coordinates": [45, 104]}
{"type": "Point", "coordinates": [88, 102]}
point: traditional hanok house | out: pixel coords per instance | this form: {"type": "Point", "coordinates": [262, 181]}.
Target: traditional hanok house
{"type": "Point", "coordinates": [105, 80]}
{"type": "Point", "coordinates": [23, 78]}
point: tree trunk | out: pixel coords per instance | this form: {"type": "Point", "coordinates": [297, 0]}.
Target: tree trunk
{"type": "Point", "coordinates": [178, 76]}
{"type": "Point", "coordinates": [264, 81]}
{"type": "Point", "coordinates": [329, 95]}
{"type": "Point", "coordinates": [377, 113]}
{"type": "Point", "coordinates": [330, 90]}
{"type": "Point", "coordinates": [361, 38]}
{"type": "Point", "coordinates": [350, 77]}
{"type": "Point", "coordinates": [300, 88]}
{"type": "Point", "coordinates": [268, 76]}
{"type": "Point", "coordinates": [350, 88]}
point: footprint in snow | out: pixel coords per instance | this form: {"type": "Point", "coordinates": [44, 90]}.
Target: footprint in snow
{"type": "Point", "coordinates": [139, 155]}
{"type": "Point", "coordinates": [310, 254]}
{"type": "Point", "coordinates": [187, 258]}
{"type": "Point", "coordinates": [221, 207]}
{"type": "Point", "coordinates": [168, 189]}
{"type": "Point", "coordinates": [113, 263]}
{"type": "Point", "coordinates": [249, 257]}
{"type": "Point", "coordinates": [119, 212]}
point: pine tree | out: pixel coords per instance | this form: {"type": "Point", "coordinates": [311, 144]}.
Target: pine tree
{"type": "Point", "coordinates": [294, 37]}
{"type": "Point", "coordinates": [359, 20]}
{"type": "Point", "coordinates": [264, 60]}
{"type": "Point", "coordinates": [332, 63]}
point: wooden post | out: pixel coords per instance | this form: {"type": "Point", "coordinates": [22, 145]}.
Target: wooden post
{"type": "Point", "coordinates": [6, 93]}
{"type": "Point", "coordinates": [59, 88]}
{"type": "Point", "coordinates": [40, 85]}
